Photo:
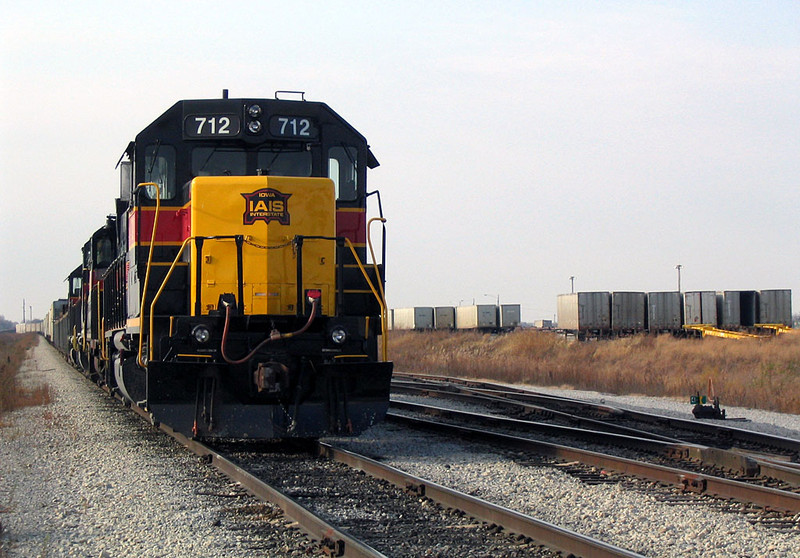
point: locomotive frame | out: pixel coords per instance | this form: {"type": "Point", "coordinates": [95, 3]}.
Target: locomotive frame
{"type": "Point", "coordinates": [228, 294]}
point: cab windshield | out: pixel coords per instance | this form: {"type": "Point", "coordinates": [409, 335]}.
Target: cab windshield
{"type": "Point", "coordinates": [224, 161]}
{"type": "Point", "coordinates": [218, 161]}
{"type": "Point", "coordinates": [279, 162]}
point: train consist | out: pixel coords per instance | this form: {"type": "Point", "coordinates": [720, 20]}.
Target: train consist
{"type": "Point", "coordinates": [228, 294]}
{"type": "Point", "coordinates": [480, 317]}
{"type": "Point", "coordinates": [34, 326]}
{"type": "Point", "coordinates": [620, 313]}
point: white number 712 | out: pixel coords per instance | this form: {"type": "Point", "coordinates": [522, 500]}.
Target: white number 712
{"type": "Point", "coordinates": [224, 125]}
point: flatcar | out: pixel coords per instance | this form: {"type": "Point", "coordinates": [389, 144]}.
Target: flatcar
{"type": "Point", "coordinates": [230, 294]}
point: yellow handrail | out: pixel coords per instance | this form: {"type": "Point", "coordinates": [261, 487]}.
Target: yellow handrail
{"type": "Point", "coordinates": [381, 301]}
{"type": "Point", "coordinates": [161, 289]}
{"type": "Point", "coordinates": [384, 310]}
{"type": "Point", "coordinates": [139, 360]}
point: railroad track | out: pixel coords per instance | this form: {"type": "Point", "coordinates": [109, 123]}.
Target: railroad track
{"type": "Point", "coordinates": [697, 468]}
{"type": "Point", "coordinates": [342, 512]}
{"type": "Point", "coordinates": [753, 454]}
{"type": "Point", "coordinates": [499, 531]}
{"type": "Point", "coordinates": [690, 481]}
{"type": "Point", "coordinates": [354, 516]}
{"type": "Point", "coordinates": [575, 411]}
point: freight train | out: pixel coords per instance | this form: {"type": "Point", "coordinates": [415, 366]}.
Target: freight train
{"type": "Point", "coordinates": [229, 294]}
{"type": "Point", "coordinates": [477, 317]}
{"type": "Point", "coordinates": [602, 313]}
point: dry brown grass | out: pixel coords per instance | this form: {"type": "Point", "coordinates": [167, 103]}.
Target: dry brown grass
{"type": "Point", "coordinates": [13, 348]}
{"type": "Point", "coordinates": [761, 374]}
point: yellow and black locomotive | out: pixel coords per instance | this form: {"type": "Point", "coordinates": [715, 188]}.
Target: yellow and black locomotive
{"type": "Point", "coordinates": [230, 295]}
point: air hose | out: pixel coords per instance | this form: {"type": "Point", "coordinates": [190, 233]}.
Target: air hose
{"type": "Point", "coordinates": [273, 336]}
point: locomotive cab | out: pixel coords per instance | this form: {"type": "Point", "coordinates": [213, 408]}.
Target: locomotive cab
{"type": "Point", "coordinates": [242, 302]}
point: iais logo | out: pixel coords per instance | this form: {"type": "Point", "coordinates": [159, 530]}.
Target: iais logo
{"type": "Point", "coordinates": [266, 205]}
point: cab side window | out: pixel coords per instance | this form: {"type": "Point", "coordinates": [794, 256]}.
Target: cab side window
{"type": "Point", "coordinates": [159, 167]}
{"type": "Point", "coordinates": [342, 170]}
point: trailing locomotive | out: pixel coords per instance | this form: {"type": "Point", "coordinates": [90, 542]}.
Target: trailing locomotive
{"type": "Point", "coordinates": [228, 294]}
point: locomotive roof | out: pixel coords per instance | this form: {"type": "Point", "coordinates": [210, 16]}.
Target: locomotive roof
{"type": "Point", "coordinates": [319, 110]}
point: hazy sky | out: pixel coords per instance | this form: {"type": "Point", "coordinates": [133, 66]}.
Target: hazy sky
{"type": "Point", "coordinates": [520, 143]}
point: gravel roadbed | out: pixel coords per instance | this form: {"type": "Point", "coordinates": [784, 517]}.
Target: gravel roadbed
{"type": "Point", "coordinates": [609, 512]}
{"type": "Point", "coordinates": [83, 476]}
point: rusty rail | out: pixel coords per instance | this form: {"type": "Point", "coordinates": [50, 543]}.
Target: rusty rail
{"type": "Point", "coordinates": [333, 541]}
{"type": "Point", "coordinates": [546, 402]}
{"type": "Point", "coordinates": [697, 482]}
{"type": "Point", "coordinates": [542, 532]}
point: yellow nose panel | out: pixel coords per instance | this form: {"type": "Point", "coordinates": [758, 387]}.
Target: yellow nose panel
{"type": "Point", "coordinates": [268, 211]}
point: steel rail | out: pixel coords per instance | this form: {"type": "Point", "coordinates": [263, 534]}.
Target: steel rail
{"type": "Point", "coordinates": [338, 543]}
{"type": "Point", "coordinates": [786, 472]}
{"type": "Point", "coordinates": [766, 497]}
{"type": "Point", "coordinates": [333, 541]}
{"type": "Point", "coordinates": [746, 462]}
{"type": "Point", "coordinates": [547, 534]}
{"type": "Point", "coordinates": [403, 380]}
{"type": "Point", "coordinates": [510, 392]}
{"type": "Point", "coordinates": [732, 461]}
{"type": "Point", "coordinates": [496, 401]}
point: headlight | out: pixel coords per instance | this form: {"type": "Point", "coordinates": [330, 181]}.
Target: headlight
{"type": "Point", "coordinates": [201, 334]}
{"type": "Point", "coordinates": [254, 126]}
{"type": "Point", "coordinates": [254, 111]}
{"type": "Point", "coordinates": [338, 335]}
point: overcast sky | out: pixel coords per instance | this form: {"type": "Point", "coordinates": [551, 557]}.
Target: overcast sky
{"type": "Point", "coordinates": [521, 143]}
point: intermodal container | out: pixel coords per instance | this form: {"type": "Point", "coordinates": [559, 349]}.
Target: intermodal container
{"type": "Point", "coordinates": [664, 311]}
{"type": "Point", "coordinates": [444, 317]}
{"type": "Point", "coordinates": [700, 307]}
{"type": "Point", "coordinates": [477, 316]}
{"type": "Point", "coordinates": [775, 307]}
{"type": "Point", "coordinates": [729, 309]}
{"type": "Point", "coordinates": [628, 310]}
{"type": "Point", "coordinates": [418, 317]}
{"type": "Point", "coordinates": [584, 311]}
{"type": "Point", "coordinates": [737, 309]}
{"type": "Point", "coordinates": [509, 316]}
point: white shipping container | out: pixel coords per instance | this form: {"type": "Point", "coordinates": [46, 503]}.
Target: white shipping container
{"type": "Point", "coordinates": [478, 316]}
{"type": "Point", "coordinates": [584, 311]}
{"type": "Point", "coordinates": [418, 317]}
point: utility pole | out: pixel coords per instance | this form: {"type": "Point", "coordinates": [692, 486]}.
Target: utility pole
{"type": "Point", "coordinates": [572, 284]}
{"type": "Point", "coordinates": [498, 298]}
{"type": "Point", "coordinates": [678, 267]}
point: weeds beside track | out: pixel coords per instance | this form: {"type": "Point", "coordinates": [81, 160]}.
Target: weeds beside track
{"type": "Point", "coordinates": [763, 374]}
{"type": "Point", "coordinates": [13, 352]}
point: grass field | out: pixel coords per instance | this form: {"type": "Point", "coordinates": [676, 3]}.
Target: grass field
{"type": "Point", "coordinates": [13, 348]}
{"type": "Point", "coordinates": [762, 374]}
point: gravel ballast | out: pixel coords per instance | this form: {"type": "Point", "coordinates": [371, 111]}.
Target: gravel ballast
{"type": "Point", "coordinates": [610, 512]}
{"type": "Point", "coordinates": [83, 476]}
